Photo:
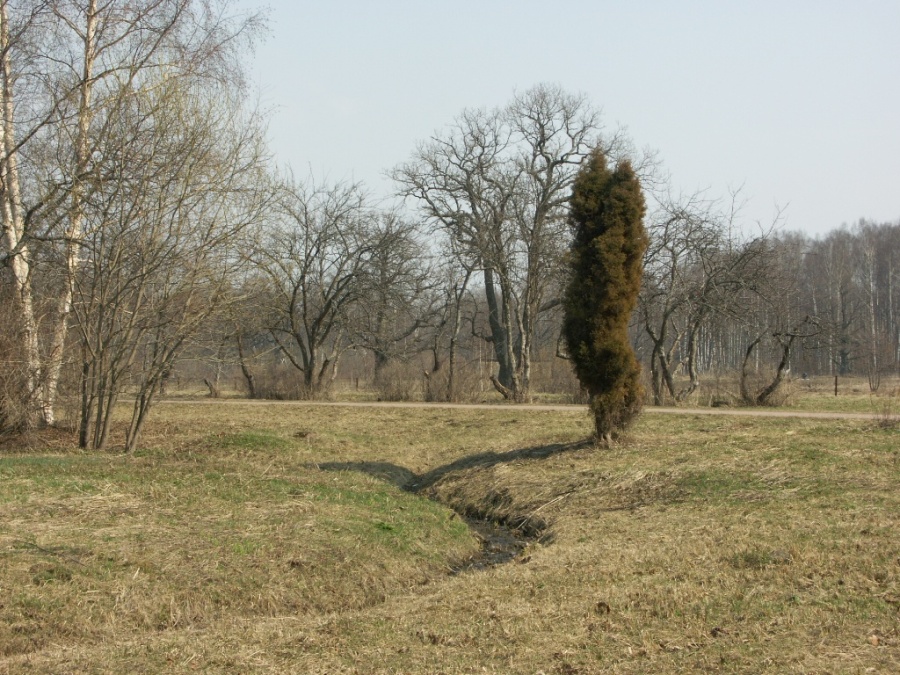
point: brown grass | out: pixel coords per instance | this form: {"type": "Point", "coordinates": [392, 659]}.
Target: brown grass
{"type": "Point", "coordinates": [276, 538]}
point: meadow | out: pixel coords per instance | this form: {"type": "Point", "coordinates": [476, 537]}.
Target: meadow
{"type": "Point", "coordinates": [283, 537]}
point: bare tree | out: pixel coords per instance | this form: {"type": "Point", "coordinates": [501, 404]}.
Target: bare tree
{"type": "Point", "coordinates": [455, 277]}
{"type": "Point", "coordinates": [314, 252]}
{"type": "Point", "coordinates": [839, 307]}
{"type": "Point", "coordinates": [163, 237]}
{"type": "Point", "coordinates": [680, 232]}
{"type": "Point", "coordinates": [81, 62]}
{"type": "Point", "coordinates": [786, 340]}
{"type": "Point", "coordinates": [21, 407]}
{"type": "Point", "coordinates": [246, 328]}
{"type": "Point", "coordinates": [396, 300]}
{"type": "Point", "coordinates": [872, 262]}
{"type": "Point", "coordinates": [699, 265]}
{"type": "Point", "coordinates": [771, 319]}
{"type": "Point", "coordinates": [496, 184]}
{"type": "Point", "coordinates": [117, 51]}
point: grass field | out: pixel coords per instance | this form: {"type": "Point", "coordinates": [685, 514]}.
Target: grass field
{"type": "Point", "coordinates": [280, 538]}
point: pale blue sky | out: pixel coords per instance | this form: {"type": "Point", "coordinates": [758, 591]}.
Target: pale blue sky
{"type": "Point", "coordinates": [796, 101]}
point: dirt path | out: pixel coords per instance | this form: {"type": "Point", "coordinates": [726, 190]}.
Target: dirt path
{"type": "Point", "coordinates": [740, 412]}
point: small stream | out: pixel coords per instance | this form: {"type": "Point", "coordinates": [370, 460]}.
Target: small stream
{"type": "Point", "coordinates": [501, 542]}
{"type": "Point", "coordinates": [499, 545]}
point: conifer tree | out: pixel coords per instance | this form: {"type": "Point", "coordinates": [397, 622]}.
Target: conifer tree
{"type": "Point", "coordinates": [606, 213]}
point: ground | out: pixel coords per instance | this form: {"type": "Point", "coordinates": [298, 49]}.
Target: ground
{"type": "Point", "coordinates": [292, 538]}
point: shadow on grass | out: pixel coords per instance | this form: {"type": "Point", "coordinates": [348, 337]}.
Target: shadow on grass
{"type": "Point", "coordinates": [503, 539]}
{"type": "Point", "coordinates": [413, 482]}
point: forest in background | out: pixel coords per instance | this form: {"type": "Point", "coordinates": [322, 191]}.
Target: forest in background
{"type": "Point", "coordinates": [810, 308]}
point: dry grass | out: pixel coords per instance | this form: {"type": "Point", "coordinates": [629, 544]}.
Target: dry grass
{"type": "Point", "coordinates": [814, 393]}
{"type": "Point", "coordinates": [274, 538]}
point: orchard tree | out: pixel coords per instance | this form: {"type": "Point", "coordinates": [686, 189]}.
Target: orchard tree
{"type": "Point", "coordinates": [607, 214]}
{"type": "Point", "coordinates": [698, 268]}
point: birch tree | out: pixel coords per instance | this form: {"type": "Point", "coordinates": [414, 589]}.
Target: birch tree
{"type": "Point", "coordinates": [21, 405]}
{"type": "Point", "coordinates": [115, 51]}
{"type": "Point", "coordinates": [81, 62]}
{"type": "Point", "coordinates": [165, 236]}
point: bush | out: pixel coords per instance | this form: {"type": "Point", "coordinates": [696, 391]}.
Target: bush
{"type": "Point", "coordinates": [607, 212]}
{"type": "Point", "coordinates": [399, 382]}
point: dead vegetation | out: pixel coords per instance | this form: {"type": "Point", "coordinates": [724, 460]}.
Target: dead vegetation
{"type": "Point", "coordinates": [269, 538]}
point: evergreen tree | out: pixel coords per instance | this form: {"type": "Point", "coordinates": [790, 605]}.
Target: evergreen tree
{"type": "Point", "coordinates": [606, 213]}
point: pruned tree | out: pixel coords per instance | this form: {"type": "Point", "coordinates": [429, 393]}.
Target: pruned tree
{"type": "Point", "coordinates": [699, 266]}
{"type": "Point", "coordinates": [607, 212]}
{"type": "Point", "coordinates": [681, 235]}
{"type": "Point", "coordinates": [786, 340]}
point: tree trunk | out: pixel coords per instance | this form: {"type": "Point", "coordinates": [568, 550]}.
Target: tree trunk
{"type": "Point", "coordinates": [499, 333]}
{"type": "Point", "coordinates": [666, 373]}
{"type": "Point", "coordinates": [87, 401]}
{"type": "Point", "coordinates": [381, 362]}
{"type": "Point", "coordinates": [764, 396]}
{"type": "Point", "coordinates": [458, 294]}
{"type": "Point", "coordinates": [451, 357]}
{"type": "Point", "coordinates": [74, 231]}
{"type": "Point", "coordinates": [746, 396]}
{"type": "Point", "coordinates": [139, 417]}
{"type": "Point", "coordinates": [13, 241]}
{"type": "Point", "coordinates": [249, 377]}
{"type": "Point", "coordinates": [214, 390]}
{"type": "Point", "coordinates": [693, 375]}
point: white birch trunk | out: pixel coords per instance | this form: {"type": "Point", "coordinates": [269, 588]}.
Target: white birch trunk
{"type": "Point", "coordinates": [14, 232]}
{"type": "Point", "coordinates": [75, 229]}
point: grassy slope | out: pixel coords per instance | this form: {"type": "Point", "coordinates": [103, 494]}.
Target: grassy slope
{"type": "Point", "coordinates": [265, 538]}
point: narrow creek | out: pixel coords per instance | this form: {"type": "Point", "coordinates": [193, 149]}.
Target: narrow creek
{"type": "Point", "coordinates": [499, 545]}
{"type": "Point", "coordinates": [502, 540]}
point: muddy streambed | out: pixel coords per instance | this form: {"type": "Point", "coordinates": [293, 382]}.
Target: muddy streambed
{"type": "Point", "coordinates": [499, 544]}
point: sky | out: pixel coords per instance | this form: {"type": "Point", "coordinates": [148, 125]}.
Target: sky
{"type": "Point", "coordinates": [795, 104]}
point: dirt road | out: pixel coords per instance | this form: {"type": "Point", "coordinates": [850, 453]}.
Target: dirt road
{"type": "Point", "coordinates": [740, 412]}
